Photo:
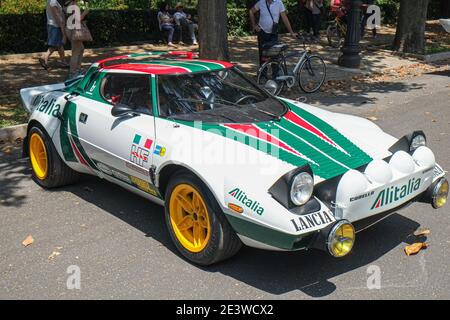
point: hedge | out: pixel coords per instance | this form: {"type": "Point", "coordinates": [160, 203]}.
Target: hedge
{"type": "Point", "coordinates": [21, 33]}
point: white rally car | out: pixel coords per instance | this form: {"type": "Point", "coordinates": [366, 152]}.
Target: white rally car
{"type": "Point", "coordinates": [230, 163]}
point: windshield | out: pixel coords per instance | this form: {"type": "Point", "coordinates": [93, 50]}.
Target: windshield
{"type": "Point", "coordinates": [216, 96]}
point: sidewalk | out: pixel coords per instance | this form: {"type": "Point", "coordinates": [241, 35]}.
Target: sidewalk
{"type": "Point", "coordinates": [24, 70]}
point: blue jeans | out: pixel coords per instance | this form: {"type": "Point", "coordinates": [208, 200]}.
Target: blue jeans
{"type": "Point", "coordinates": [169, 28]}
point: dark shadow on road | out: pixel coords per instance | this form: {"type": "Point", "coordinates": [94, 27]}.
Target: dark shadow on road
{"type": "Point", "coordinates": [273, 272]}
{"type": "Point", "coordinates": [12, 172]}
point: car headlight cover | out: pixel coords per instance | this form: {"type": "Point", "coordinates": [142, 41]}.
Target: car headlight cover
{"type": "Point", "coordinates": [341, 239]}
{"type": "Point", "coordinates": [302, 188]}
{"type": "Point", "coordinates": [440, 194]}
{"type": "Point", "coordinates": [417, 141]}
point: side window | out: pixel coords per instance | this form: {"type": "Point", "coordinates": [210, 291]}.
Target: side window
{"type": "Point", "coordinates": [131, 90]}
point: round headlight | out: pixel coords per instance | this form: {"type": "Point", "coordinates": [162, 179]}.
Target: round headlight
{"type": "Point", "coordinates": [302, 188]}
{"type": "Point", "coordinates": [341, 239]}
{"type": "Point", "coordinates": [417, 141]}
{"type": "Point", "coordinates": [440, 194]}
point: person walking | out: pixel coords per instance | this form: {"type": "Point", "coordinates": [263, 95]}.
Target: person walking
{"type": "Point", "coordinates": [184, 20]}
{"type": "Point", "coordinates": [56, 33]}
{"type": "Point", "coordinates": [313, 10]}
{"type": "Point", "coordinates": [270, 12]}
{"type": "Point", "coordinates": [77, 37]}
{"type": "Point", "coordinates": [166, 23]}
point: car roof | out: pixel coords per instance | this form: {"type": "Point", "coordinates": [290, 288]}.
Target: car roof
{"type": "Point", "coordinates": [158, 63]}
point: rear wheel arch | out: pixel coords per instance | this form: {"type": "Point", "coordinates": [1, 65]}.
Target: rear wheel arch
{"type": "Point", "coordinates": [33, 123]}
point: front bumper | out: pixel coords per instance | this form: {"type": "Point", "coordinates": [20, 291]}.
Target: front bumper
{"type": "Point", "coordinates": [384, 185]}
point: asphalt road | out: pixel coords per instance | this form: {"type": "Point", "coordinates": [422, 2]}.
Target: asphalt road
{"type": "Point", "coordinates": [119, 241]}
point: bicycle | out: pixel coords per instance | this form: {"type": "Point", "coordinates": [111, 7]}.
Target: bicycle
{"type": "Point", "coordinates": [336, 31]}
{"type": "Point", "coordinates": [309, 71]}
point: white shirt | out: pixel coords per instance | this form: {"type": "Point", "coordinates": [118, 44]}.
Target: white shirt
{"type": "Point", "coordinates": [265, 21]}
{"type": "Point", "coordinates": [50, 19]}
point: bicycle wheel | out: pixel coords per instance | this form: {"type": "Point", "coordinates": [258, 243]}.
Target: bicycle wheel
{"type": "Point", "coordinates": [270, 71]}
{"type": "Point", "coordinates": [312, 74]}
{"type": "Point", "coordinates": [333, 36]}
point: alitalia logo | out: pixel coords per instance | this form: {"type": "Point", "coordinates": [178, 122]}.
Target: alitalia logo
{"type": "Point", "coordinates": [396, 193]}
{"type": "Point", "coordinates": [242, 197]}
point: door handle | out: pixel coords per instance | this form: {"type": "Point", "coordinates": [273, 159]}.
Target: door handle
{"type": "Point", "coordinates": [83, 117]}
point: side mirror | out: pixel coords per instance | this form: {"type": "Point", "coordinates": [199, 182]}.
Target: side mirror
{"type": "Point", "coordinates": [120, 110]}
{"type": "Point", "coordinates": [271, 86]}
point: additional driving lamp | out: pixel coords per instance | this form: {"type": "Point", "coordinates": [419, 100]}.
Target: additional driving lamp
{"type": "Point", "coordinates": [440, 194]}
{"type": "Point", "coordinates": [341, 239]}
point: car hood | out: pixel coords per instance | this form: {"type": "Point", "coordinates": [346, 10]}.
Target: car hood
{"type": "Point", "coordinates": [298, 138]}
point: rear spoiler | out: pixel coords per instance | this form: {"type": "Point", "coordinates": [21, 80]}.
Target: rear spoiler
{"type": "Point", "coordinates": [28, 94]}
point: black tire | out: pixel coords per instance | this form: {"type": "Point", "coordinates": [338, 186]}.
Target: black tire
{"type": "Point", "coordinates": [270, 70]}
{"type": "Point", "coordinates": [333, 36]}
{"type": "Point", "coordinates": [223, 242]}
{"type": "Point", "coordinates": [312, 74]}
{"type": "Point", "coordinates": [58, 173]}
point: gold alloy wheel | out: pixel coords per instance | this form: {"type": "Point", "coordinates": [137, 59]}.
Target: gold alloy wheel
{"type": "Point", "coordinates": [38, 156]}
{"type": "Point", "coordinates": [189, 218]}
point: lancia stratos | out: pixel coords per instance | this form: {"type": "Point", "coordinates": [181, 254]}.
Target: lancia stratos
{"type": "Point", "coordinates": [231, 163]}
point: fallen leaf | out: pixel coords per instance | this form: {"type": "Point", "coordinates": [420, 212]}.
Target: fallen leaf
{"type": "Point", "coordinates": [54, 255]}
{"type": "Point", "coordinates": [372, 118]}
{"type": "Point", "coordinates": [28, 240]}
{"type": "Point", "coordinates": [422, 232]}
{"type": "Point", "coordinates": [415, 247]}
{"type": "Point", "coordinates": [7, 150]}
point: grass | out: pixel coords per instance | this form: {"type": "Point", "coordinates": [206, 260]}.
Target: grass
{"type": "Point", "coordinates": [11, 111]}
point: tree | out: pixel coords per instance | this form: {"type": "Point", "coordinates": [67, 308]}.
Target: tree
{"type": "Point", "coordinates": [410, 34]}
{"type": "Point", "coordinates": [213, 32]}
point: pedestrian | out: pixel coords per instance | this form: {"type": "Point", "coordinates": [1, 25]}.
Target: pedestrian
{"type": "Point", "coordinates": [77, 37]}
{"type": "Point", "coordinates": [55, 32]}
{"type": "Point", "coordinates": [366, 16]}
{"type": "Point", "coordinates": [166, 23]}
{"type": "Point", "coordinates": [313, 10]}
{"type": "Point", "coordinates": [184, 20]}
{"type": "Point", "coordinates": [270, 12]}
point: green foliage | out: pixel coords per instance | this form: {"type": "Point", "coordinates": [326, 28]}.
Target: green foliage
{"type": "Point", "coordinates": [389, 10]}
{"type": "Point", "coordinates": [21, 6]}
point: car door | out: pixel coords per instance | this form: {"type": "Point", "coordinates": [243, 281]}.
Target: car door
{"type": "Point", "coordinates": [120, 147]}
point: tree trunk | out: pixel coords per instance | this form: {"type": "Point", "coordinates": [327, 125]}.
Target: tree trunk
{"type": "Point", "coordinates": [212, 26]}
{"type": "Point", "coordinates": [410, 34]}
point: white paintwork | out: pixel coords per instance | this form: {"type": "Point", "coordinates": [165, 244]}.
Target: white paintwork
{"type": "Point", "coordinates": [206, 154]}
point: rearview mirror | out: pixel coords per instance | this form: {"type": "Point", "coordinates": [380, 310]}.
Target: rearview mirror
{"type": "Point", "coordinates": [120, 110]}
{"type": "Point", "coordinates": [271, 86]}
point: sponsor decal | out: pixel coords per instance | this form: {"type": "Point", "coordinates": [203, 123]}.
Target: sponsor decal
{"type": "Point", "coordinates": [312, 220]}
{"type": "Point", "coordinates": [160, 151]}
{"type": "Point", "coordinates": [437, 171]}
{"type": "Point", "coordinates": [144, 186]}
{"type": "Point", "coordinates": [362, 196]}
{"type": "Point", "coordinates": [395, 193]}
{"type": "Point", "coordinates": [137, 169]}
{"type": "Point", "coordinates": [113, 172]}
{"type": "Point", "coordinates": [48, 107]}
{"type": "Point", "coordinates": [242, 197]}
{"type": "Point", "coordinates": [128, 179]}
{"type": "Point", "coordinates": [140, 150]}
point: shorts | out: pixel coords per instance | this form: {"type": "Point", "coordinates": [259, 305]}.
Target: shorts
{"type": "Point", "coordinates": [55, 37]}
